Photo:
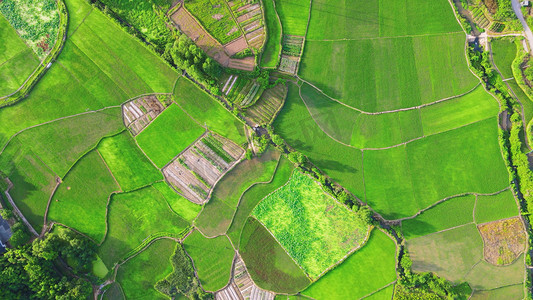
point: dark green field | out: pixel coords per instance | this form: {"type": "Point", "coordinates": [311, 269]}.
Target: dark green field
{"type": "Point", "coordinates": [269, 265]}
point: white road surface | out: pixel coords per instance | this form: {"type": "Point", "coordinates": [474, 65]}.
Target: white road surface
{"type": "Point", "coordinates": [527, 30]}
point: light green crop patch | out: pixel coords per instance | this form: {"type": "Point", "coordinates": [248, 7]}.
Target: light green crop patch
{"type": "Point", "coordinates": [312, 227]}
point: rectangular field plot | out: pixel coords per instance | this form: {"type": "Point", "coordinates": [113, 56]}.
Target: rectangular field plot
{"type": "Point", "coordinates": [496, 207]}
{"type": "Point", "coordinates": [168, 135]}
{"type": "Point", "coordinates": [313, 228]}
{"type": "Point", "coordinates": [195, 172]}
{"type": "Point", "coordinates": [294, 15]}
{"type": "Point", "coordinates": [390, 73]}
{"type": "Point", "coordinates": [422, 172]}
{"type": "Point", "coordinates": [348, 19]}
{"type": "Point", "coordinates": [138, 113]}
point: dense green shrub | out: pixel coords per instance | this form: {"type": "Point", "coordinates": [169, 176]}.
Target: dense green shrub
{"type": "Point", "coordinates": [182, 280]}
{"type": "Point", "coordinates": [30, 272]}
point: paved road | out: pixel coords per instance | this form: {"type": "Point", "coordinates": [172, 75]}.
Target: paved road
{"type": "Point", "coordinates": [527, 30]}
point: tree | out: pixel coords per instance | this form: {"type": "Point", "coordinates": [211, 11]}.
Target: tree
{"type": "Point", "coordinates": [297, 157]}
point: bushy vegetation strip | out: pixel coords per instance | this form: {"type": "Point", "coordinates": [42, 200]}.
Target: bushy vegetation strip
{"type": "Point", "coordinates": [23, 91]}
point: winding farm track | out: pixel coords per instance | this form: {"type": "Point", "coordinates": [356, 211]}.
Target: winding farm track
{"type": "Point", "coordinates": [388, 111]}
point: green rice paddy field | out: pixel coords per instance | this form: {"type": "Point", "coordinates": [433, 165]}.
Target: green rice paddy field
{"type": "Point", "coordinates": [383, 74]}
{"type": "Point", "coordinates": [272, 49]}
{"type": "Point", "coordinates": [212, 259]}
{"type": "Point", "coordinates": [340, 19]}
{"type": "Point", "coordinates": [17, 61]}
{"type": "Point", "coordinates": [207, 111]}
{"type": "Point", "coordinates": [504, 52]}
{"type": "Point", "coordinates": [362, 273]}
{"type": "Point", "coordinates": [139, 274]}
{"type": "Point", "coordinates": [294, 15]}
{"type": "Point", "coordinates": [132, 217]}
{"type": "Point", "coordinates": [127, 163]}
{"type": "Point", "coordinates": [100, 65]}
{"type": "Point", "coordinates": [77, 203]}
{"type": "Point", "coordinates": [169, 134]}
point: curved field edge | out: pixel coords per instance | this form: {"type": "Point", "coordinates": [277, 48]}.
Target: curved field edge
{"type": "Point", "coordinates": [41, 69]}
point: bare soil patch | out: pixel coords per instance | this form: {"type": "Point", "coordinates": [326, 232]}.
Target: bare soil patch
{"type": "Point", "coordinates": [140, 112]}
{"type": "Point", "coordinates": [195, 172]}
{"type": "Point", "coordinates": [505, 121]}
{"type": "Point", "coordinates": [236, 46]}
{"type": "Point", "coordinates": [504, 240]}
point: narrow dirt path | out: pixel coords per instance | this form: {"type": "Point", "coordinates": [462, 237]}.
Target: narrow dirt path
{"type": "Point", "coordinates": [388, 111]}
{"type": "Point", "coordinates": [16, 209]}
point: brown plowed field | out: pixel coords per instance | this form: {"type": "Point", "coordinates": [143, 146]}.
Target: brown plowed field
{"type": "Point", "coordinates": [236, 46]}
{"type": "Point", "coordinates": [196, 171]}
{"type": "Point", "coordinates": [138, 113]}
{"type": "Point", "coordinates": [503, 240]}
{"type": "Point", "coordinates": [187, 24]}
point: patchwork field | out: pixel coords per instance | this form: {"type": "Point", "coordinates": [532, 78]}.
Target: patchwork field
{"type": "Point", "coordinates": [375, 83]}
{"type": "Point", "coordinates": [138, 113]}
{"type": "Point", "coordinates": [312, 227]}
{"type": "Point", "coordinates": [212, 259]}
{"type": "Point", "coordinates": [128, 164]}
{"type": "Point", "coordinates": [17, 61]}
{"type": "Point", "coordinates": [196, 171]}
{"type": "Point", "coordinates": [422, 172]}
{"type": "Point", "coordinates": [363, 272]}
{"type": "Point", "coordinates": [254, 195]}
{"type": "Point", "coordinates": [205, 110]}
{"type": "Point", "coordinates": [169, 134]}
{"type": "Point", "coordinates": [100, 66]}
{"type": "Point", "coordinates": [217, 214]}
{"type": "Point", "coordinates": [269, 265]}
{"type": "Point", "coordinates": [80, 201]}
{"type": "Point", "coordinates": [139, 275]}
{"type": "Point", "coordinates": [133, 218]}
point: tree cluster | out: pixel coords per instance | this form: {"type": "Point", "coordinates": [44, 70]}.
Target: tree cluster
{"type": "Point", "coordinates": [32, 272]}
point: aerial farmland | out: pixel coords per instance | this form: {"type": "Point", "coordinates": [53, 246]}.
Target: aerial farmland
{"type": "Point", "coordinates": [266, 149]}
